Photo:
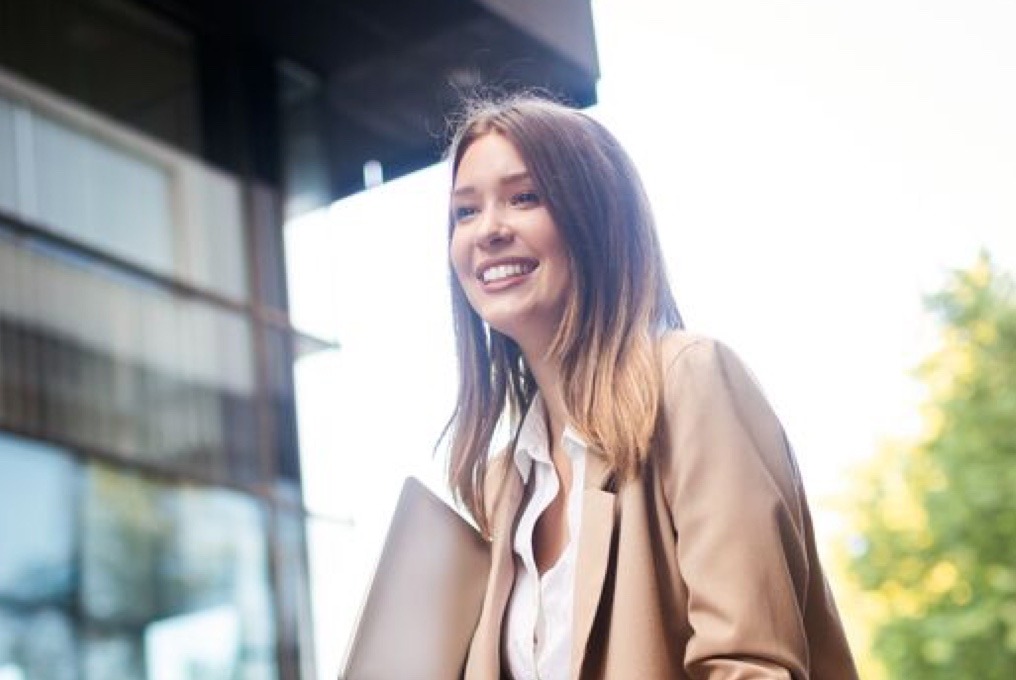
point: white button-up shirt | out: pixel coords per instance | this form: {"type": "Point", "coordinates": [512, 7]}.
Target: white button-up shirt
{"type": "Point", "coordinates": [538, 622]}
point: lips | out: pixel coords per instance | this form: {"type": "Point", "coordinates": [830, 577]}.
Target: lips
{"type": "Point", "coordinates": [501, 270]}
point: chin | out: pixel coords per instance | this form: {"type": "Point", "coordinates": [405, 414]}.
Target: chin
{"type": "Point", "coordinates": [508, 327]}
{"type": "Point", "coordinates": [526, 333]}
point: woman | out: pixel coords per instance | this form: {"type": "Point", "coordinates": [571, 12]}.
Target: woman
{"type": "Point", "coordinates": [647, 519]}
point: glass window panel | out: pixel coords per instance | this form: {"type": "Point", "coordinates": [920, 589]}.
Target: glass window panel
{"type": "Point", "coordinates": [101, 362]}
{"type": "Point", "coordinates": [159, 365]}
{"type": "Point", "coordinates": [38, 495]}
{"type": "Point", "coordinates": [46, 288]}
{"type": "Point", "coordinates": [37, 644]}
{"type": "Point", "coordinates": [102, 195]}
{"type": "Point", "coordinates": [219, 258]}
{"type": "Point", "coordinates": [234, 376]}
{"type": "Point", "coordinates": [37, 525]}
{"type": "Point", "coordinates": [179, 572]}
{"type": "Point", "coordinates": [91, 180]}
{"type": "Point", "coordinates": [213, 245]}
{"type": "Point", "coordinates": [8, 172]}
{"type": "Point", "coordinates": [131, 202]}
{"type": "Point", "coordinates": [177, 391]}
{"type": "Point", "coordinates": [62, 168]}
{"type": "Point", "coordinates": [13, 401]}
{"type": "Point", "coordinates": [125, 527]}
{"type": "Point", "coordinates": [216, 564]}
{"type": "Point", "coordinates": [113, 654]}
{"type": "Point", "coordinates": [124, 334]}
{"type": "Point", "coordinates": [202, 643]}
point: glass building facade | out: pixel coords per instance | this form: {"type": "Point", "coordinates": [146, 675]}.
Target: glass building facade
{"type": "Point", "coordinates": [151, 523]}
{"type": "Point", "coordinates": [111, 573]}
{"type": "Point", "coordinates": [153, 520]}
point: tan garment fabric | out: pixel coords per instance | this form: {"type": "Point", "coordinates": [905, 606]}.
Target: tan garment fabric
{"type": "Point", "coordinates": [705, 566]}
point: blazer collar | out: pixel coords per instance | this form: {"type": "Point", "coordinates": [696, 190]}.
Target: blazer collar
{"type": "Point", "coordinates": [485, 654]}
{"type": "Point", "coordinates": [598, 513]}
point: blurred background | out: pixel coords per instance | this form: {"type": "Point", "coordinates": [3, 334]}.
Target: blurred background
{"type": "Point", "coordinates": [225, 335]}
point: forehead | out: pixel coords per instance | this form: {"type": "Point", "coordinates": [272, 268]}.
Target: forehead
{"type": "Point", "coordinates": [492, 156]}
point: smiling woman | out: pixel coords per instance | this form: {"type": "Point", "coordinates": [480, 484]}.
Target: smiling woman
{"type": "Point", "coordinates": [505, 246]}
{"type": "Point", "coordinates": [647, 519]}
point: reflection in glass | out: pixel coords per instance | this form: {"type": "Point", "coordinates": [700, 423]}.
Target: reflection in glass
{"type": "Point", "coordinates": [37, 644]}
{"type": "Point", "coordinates": [103, 573]}
{"type": "Point", "coordinates": [37, 563]}
{"type": "Point", "coordinates": [37, 525]}
{"type": "Point", "coordinates": [8, 176]}
{"type": "Point", "coordinates": [124, 530]}
{"type": "Point", "coordinates": [101, 195]}
{"type": "Point", "coordinates": [161, 563]}
{"type": "Point", "coordinates": [128, 370]}
{"type": "Point", "coordinates": [11, 672]}
{"type": "Point", "coordinates": [95, 183]}
{"type": "Point", "coordinates": [112, 654]}
{"type": "Point", "coordinates": [201, 644]}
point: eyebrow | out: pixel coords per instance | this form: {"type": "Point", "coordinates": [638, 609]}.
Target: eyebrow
{"type": "Point", "coordinates": [514, 178]}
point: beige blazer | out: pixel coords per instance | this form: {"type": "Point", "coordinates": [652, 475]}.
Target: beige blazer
{"type": "Point", "coordinates": [705, 565]}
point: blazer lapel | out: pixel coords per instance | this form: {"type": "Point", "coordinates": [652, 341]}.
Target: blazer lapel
{"type": "Point", "coordinates": [593, 556]}
{"type": "Point", "coordinates": [486, 646]}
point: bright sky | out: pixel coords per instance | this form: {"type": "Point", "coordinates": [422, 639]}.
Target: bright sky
{"type": "Point", "coordinates": [815, 168]}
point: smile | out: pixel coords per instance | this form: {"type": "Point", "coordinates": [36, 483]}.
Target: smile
{"type": "Point", "coordinates": [503, 271]}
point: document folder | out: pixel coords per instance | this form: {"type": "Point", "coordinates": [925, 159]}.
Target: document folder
{"type": "Point", "coordinates": [424, 599]}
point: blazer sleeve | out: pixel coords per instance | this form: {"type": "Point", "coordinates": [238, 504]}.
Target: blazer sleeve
{"type": "Point", "coordinates": [737, 507]}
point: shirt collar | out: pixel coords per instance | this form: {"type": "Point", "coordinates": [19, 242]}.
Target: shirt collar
{"type": "Point", "coordinates": [533, 443]}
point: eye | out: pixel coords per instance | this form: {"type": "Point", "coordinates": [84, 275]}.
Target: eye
{"type": "Point", "coordinates": [525, 198]}
{"type": "Point", "coordinates": [460, 213]}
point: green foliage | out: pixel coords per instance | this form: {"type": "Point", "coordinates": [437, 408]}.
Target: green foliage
{"type": "Point", "coordinates": [937, 562]}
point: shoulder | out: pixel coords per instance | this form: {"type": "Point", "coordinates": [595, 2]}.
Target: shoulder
{"type": "Point", "coordinates": [691, 357]}
{"type": "Point", "coordinates": [717, 418]}
{"type": "Point", "coordinates": [702, 375]}
{"type": "Point", "coordinates": [677, 343]}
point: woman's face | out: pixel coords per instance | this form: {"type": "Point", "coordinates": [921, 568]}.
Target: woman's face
{"type": "Point", "coordinates": [505, 248]}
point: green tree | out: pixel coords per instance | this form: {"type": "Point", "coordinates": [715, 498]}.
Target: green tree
{"type": "Point", "coordinates": [937, 558]}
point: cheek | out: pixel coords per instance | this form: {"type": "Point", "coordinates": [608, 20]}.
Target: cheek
{"type": "Point", "coordinates": [562, 263]}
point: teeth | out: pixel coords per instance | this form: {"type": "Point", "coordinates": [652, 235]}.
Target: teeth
{"type": "Point", "coordinates": [503, 271]}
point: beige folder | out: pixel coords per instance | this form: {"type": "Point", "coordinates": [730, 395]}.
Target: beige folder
{"type": "Point", "coordinates": [424, 599]}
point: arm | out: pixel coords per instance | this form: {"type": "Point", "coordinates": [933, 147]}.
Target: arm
{"type": "Point", "coordinates": [737, 508]}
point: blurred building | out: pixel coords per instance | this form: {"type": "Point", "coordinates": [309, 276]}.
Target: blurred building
{"type": "Point", "coordinates": [151, 517]}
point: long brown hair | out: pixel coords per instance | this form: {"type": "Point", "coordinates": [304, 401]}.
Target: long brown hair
{"type": "Point", "coordinates": [619, 304]}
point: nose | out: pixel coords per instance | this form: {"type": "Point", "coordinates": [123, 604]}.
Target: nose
{"type": "Point", "coordinates": [493, 231]}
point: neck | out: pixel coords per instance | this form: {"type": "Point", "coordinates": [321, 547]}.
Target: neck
{"type": "Point", "coordinates": [547, 372]}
